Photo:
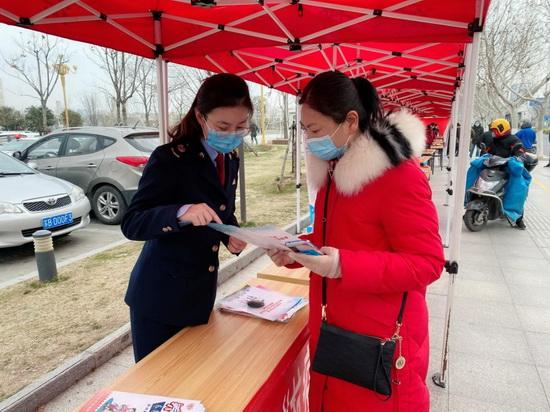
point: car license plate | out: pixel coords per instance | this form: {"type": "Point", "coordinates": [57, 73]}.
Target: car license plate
{"type": "Point", "coordinates": [59, 220]}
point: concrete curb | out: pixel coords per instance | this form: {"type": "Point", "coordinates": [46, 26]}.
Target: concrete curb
{"type": "Point", "coordinates": [60, 379]}
{"type": "Point", "coordinates": [65, 262]}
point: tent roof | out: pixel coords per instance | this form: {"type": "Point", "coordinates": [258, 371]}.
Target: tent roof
{"type": "Point", "coordinates": [411, 50]}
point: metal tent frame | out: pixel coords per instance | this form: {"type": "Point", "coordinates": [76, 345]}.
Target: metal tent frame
{"type": "Point", "coordinates": [414, 56]}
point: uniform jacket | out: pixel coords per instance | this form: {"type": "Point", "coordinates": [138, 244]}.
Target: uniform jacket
{"type": "Point", "coordinates": [382, 219]}
{"type": "Point", "coordinates": [175, 277]}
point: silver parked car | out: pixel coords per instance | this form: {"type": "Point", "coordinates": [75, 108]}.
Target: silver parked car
{"type": "Point", "coordinates": [106, 162]}
{"type": "Point", "coordinates": [30, 201]}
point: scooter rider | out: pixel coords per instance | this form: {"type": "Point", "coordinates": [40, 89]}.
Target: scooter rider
{"type": "Point", "coordinates": [505, 144]}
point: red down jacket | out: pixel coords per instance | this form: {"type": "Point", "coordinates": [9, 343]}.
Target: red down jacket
{"type": "Point", "coordinates": [383, 221]}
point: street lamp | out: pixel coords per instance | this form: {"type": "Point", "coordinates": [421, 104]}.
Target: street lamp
{"type": "Point", "coordinates": [62, 69]}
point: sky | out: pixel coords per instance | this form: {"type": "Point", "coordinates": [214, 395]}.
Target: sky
{"type": "Point", "coordinates": [16, 93]}
{"type": "Point", "coordinates": [84, 81]}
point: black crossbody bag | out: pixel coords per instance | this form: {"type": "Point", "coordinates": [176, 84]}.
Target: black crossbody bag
{"type": "Point", "coordinates": [360, 359]}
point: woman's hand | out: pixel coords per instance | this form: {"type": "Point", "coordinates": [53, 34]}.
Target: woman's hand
{"type": "Point", "coordinates": [280, 257]}
{"type": "Point", "coordinates": [200, 215]}
{"type": "Point", "coordinates": [327, 265]}
{"type": "Point", "coordinates": [235, 245]}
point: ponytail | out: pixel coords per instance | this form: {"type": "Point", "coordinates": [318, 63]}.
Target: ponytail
{"type": "Point", "coordinates": [369, 100]}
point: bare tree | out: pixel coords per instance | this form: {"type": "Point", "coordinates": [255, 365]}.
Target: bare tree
{"type": "Point", "coordinates": [122, 69]}
{"type": "Point", "coordinates": [34, 65]}
{"type": "Point", "coordinates": [90, 104]}
{"type": "Point", "coordinates": [146, 89]}
{"type": "Point", "coordinates": [513, 64]}
{"type": "Point", "coordinates": [183, 84]}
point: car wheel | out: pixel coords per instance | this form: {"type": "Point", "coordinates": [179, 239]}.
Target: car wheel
{"type": "Point", "coordinates": [109, 205]}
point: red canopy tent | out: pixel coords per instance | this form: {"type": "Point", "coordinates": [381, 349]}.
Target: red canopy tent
{"type": "Point", "coordinates": [413, 55]}
{"type": "Point", "coordinates": [414, 51]}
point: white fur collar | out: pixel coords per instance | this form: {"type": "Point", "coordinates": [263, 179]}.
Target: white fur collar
{"type": "Point", "coordinates": [366, 159]}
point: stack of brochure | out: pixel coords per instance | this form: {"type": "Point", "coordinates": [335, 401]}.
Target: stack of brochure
{"type": "Point", "coordinates": [105, 401]}
{"type": "Point", "coordinates": [260, 302]}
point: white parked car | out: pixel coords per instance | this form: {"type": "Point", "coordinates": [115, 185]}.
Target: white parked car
{"type": "Point", "coordinates": [9, 136]}
{"type": "Point", "coordinates": [18, 145]}
{"type": "Point", "coordinates": [30, 201]}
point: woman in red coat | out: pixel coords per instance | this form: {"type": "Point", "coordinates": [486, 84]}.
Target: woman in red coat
{"type": "Point", "coordinates": [381, 236]}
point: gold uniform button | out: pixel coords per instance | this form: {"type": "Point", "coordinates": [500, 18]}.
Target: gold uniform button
{"type": "Point", "coordinates": [223, 207]}
{"type": "Point", "coordinates": [215, 248]}
{"type": "Point", "coordinates": [211, 269]}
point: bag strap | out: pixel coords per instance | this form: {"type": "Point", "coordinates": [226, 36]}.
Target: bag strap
{"type": "Point", "coordinates": [325, 214]}
{"type": "Point", "coordinates": [399, 321]}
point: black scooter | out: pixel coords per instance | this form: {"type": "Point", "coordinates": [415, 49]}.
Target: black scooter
{"type": "Point", "coordinates": [487, 193]}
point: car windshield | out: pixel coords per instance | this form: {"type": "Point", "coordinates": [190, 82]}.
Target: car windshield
{"type": "Point", "coordinates": [144, 142]}
{"type": "Point", "coordinates": [16, 145]}
{"type": "Point", "coordinates": [11, 166]}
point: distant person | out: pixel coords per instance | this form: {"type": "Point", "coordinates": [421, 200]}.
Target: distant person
{"type": "Point", "coordinates": [476, 136]}
{"type": "Point", "coordinates": [528, 137]}
{"type": "Point", "coordinates": [486, 140]}
{"type": "Point", "coordinates": [186, 184]}
{"type": "Point", "coordinates": [254, 133]}
{"type": "Point", "coordinates": [432, 133]}
{"type": "Point", "coordinates": [505, 144]}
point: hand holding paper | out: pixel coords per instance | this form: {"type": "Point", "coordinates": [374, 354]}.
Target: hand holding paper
{"type": "Point", "coordinates": [327, 265]}
{"type": "Point", "coordinates": [268, 237]}
{"type": "Point", "coordinates": [235, 245]}
{"type": "Point", "coordinates": [280, 257]}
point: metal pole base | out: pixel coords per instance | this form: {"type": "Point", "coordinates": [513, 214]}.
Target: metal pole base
{"type": "Point", "coordinates": [436, 379]}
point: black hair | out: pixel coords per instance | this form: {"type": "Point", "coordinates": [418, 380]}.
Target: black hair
{"type": "Point", "coordinates": [219, 90]}
{"type": "Point", "coordinates": [335, 95]}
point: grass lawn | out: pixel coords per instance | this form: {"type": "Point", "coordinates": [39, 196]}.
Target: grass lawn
{"type": "Point", "coordinates": [44, 325]}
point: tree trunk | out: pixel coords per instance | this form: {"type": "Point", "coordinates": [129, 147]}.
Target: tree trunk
{"type": "Point", "coordinates": [147, 121]}
{"type": "Point", "coordinates": [118, 118]}
{"type": "Point", "coordinates": [124, 115]}
{"type": "Point", "coordinates": [514, 117]}
{"type": "Point", "coordinates": [44, 118]}
{"type": "Point", "coordinates": [285, 115]}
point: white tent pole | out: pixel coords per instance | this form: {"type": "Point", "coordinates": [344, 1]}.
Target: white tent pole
{"type": "Point", "coordinates": [298, 166]}
{"type": "Point", "coordinates": [451, 167]}
{"type": "Point", "coordinates": [440, 378]}
{"type": "Point", "coordinates": [161, 101]}
{"type": "Point", "coordinates": [165, 97]}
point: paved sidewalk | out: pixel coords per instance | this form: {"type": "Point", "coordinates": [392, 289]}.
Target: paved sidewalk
{"type": "Point", "coordinates": [499, 346]}
{"type": "Point", "coordinates": [499, 357]}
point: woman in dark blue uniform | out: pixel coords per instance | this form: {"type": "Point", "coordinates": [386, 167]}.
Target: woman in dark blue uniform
{"type": "Point", "coordinates": [186, 184]}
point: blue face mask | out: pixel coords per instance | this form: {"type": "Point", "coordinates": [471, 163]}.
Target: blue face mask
{"type": "Point", "coordinates": [324, 148]}
{"type": "Point", "coordinates": [223, 142]}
